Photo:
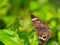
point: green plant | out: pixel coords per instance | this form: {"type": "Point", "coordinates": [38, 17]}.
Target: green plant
{"type": "Point", "coordinates": [16, 27]}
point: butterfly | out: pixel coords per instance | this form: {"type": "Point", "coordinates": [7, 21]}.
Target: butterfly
{"type": "Point", "coordinates": [42, 29]}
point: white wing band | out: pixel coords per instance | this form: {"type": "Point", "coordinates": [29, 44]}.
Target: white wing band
{"type": "Point", "coordinates": [34, 19]}
{"type": "Point", "coordinates": [42, 38]}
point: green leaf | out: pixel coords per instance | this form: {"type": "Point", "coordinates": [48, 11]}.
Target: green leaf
{"type": "Point", "coordinates": [43, 1]}
{"type": "Point", "coordinates": [58, 13]}
{"type": "Point", "coordinates": [3, 11]}
{"type": "Point", "coordinates": [9, 37]}
{"type": "Point", "coordinates": [52, 42]}
{"type": "Point", "coordinates": [9, 20]}
{"type": "Point", "coordinates": [58, 37]}
{"type": "Point", "coordinates": [3, 2]}
{"type": "Point", "coordinates": [53, 23]}
{"type": "Point", "coordinates": [34, 6]}
{"type": "Point", "coordinates": [33, 38]}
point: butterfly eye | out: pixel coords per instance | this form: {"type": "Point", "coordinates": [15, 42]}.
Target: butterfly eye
{"type": "Point", "coordinates": [44, 36]}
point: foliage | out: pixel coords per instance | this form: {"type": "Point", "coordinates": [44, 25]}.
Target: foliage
{"type": "Point", "coordinates": [16, 27]}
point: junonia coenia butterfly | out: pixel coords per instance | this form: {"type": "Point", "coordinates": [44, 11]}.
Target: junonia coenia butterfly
{"type": "Point", "coordinates": [42, 29]}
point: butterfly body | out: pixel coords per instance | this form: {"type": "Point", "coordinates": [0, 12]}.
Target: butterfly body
{"type": "Point", "coordinates": [42, 30]}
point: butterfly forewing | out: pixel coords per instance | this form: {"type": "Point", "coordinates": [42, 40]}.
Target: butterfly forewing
{"type": "Point", "coordinates": [42, 29]}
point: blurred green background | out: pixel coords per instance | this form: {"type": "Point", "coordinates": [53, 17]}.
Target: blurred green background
{"type": "Point", "coordinates": [16, 27]}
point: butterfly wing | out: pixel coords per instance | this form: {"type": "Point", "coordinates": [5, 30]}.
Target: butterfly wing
{"type": "Point", "coordinates": [42, 29]}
